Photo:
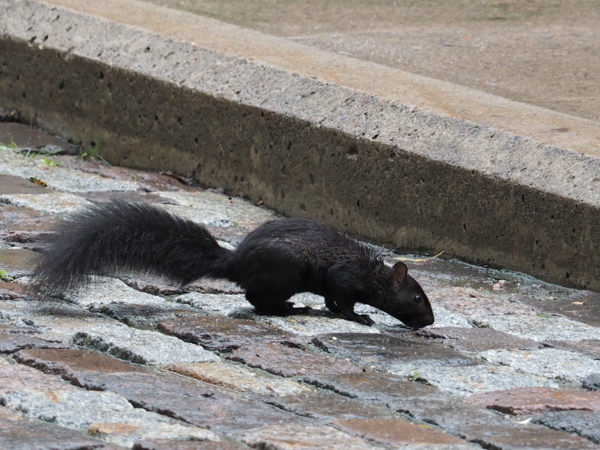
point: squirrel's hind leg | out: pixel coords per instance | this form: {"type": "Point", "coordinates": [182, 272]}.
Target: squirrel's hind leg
{"type": "Point", "coordinates": [274, 305]}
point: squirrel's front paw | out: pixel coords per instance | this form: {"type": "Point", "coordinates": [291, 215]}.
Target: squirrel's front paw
{"type": "Point", "coordinates": [365, 320]}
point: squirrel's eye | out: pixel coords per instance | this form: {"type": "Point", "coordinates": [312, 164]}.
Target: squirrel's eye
{"type": "Point", "coordinates": [417, 298]}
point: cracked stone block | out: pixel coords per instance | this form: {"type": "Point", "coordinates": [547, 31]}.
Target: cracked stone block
{"type": "Point", "coordinates": [141, 346]}
{"type": "Point", "coordinates": [373, 387]}
{"type": "Point", "coordinates": [401, 433]}
{"type": "Point", "coordinates": [292, 437]}
{"type": "Point", "coordinates": [102, 414]}
{"type": "Point", "coordinates": [327, 407]}
{"type": "Point", "coordinates": [19, 433]}
{"type": "Point", "coordinates": [389, 350]}
{"type": "Point", "coordinates": [238, 378]}
{"type": "Point", "coordinates": [286, 361]}
{"type": "Point", "coordinates": [192, 401]}
{"type": "Point", "coordinates": [476, 339]}
{"type": "Point", "coordinates": [550, 363]}
{"type": "Point", "coordinates": [225, 334]}
{"type": "Point", "coordinates": [52, 203]}
{"type": "Point", "coordinates": [535, 400]}
{"type": "Point", "coordinates": [582, 423]}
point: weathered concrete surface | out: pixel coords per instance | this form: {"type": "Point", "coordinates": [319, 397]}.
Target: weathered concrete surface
{"type": "Point", "coordinates": [241, 110]}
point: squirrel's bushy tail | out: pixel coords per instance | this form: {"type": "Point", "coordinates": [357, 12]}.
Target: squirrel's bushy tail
{"type": "Point", "coordinates": [120, 236]}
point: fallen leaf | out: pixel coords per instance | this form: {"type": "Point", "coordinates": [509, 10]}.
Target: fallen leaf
{"type": "Point", "coordinates": [419, 260]}
{"type": "Point", "coordinates": [38, 182]}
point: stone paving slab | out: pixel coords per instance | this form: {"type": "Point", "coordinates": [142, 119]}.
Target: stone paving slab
{"type": "Point", "coordinates": [535, 400]}
{"type": "Point", "coordinates": [14, 291]}
{"type": "Point", "coordinates": [199, 404]}
{"type": "Point", "coordinates": [592, 382]}
{"type": "Point", "coordinates": [291, 436]}
{"type": "Point", "coordinates": [540, 327]}
{"type": "Point", "coordinates": [53, 203]}
{"type": "Point", "coordinates": [477, 339]}
{"type": "Point", "coordinates": [17, 262]}
{"type": "Point", "coordinates": [583, 423]}
{"type": "Point", "coordinates": [238, 378]}
{"type": "Point", "coordinates": [17, 377]}
{"type": "Point", "coordinates": [587, 347]}
{"type": "Point", "coordinates": [286, 361]}
{"type": "Point", "coordinates": [327, 408]}
{"type": "Point", "coordinates": [18, 433]}
{"type": "Point", "coordinates": [146, 316]}
{"type": "Point", "coordinates": [17, 185]}
{"type": "Point", "coordinates": [467, 380]}
{"type": "Point", "coordinates": [402, 434]}
{"type": "Point", "coordinates": [316, 322]}
{"type": "Point", "coordinates": [60, 178]}
{"type": "Point", "coordinates": [11, 343]}
{"type": "Point", "coordinates": [167, 444]}
{"type": "Point", "coordinates": [225, 335]}
{"type": "Point", "coordinates": [374, 388]}
{"type": "Point", "coordinates": [377, 350]}
{"type": "Point", "coordinates": [97, 411]}
{"type": "Point", "coordinates": [559, 365]}
{"type": "Point", "coordinates": [141, 346]}
{"type": "Point", "coordinates": [489, 429]}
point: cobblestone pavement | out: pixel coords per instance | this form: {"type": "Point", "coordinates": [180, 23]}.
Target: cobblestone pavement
{"type": "Point", "coordinates": [511, 362]}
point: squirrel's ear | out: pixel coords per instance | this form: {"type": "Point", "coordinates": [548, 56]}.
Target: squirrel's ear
{"type": "Point", "coordinates": [400, 272]}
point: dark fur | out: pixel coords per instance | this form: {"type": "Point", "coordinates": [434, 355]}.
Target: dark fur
{"type": "Point", "coordinates": [274, 262]}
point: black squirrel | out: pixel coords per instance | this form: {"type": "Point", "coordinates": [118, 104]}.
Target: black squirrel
{"type": "Point", "coordinates": [277, 260]}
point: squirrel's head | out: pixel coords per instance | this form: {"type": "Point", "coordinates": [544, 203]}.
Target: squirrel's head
{"type": "Point", "coordinates": [407, 302]}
